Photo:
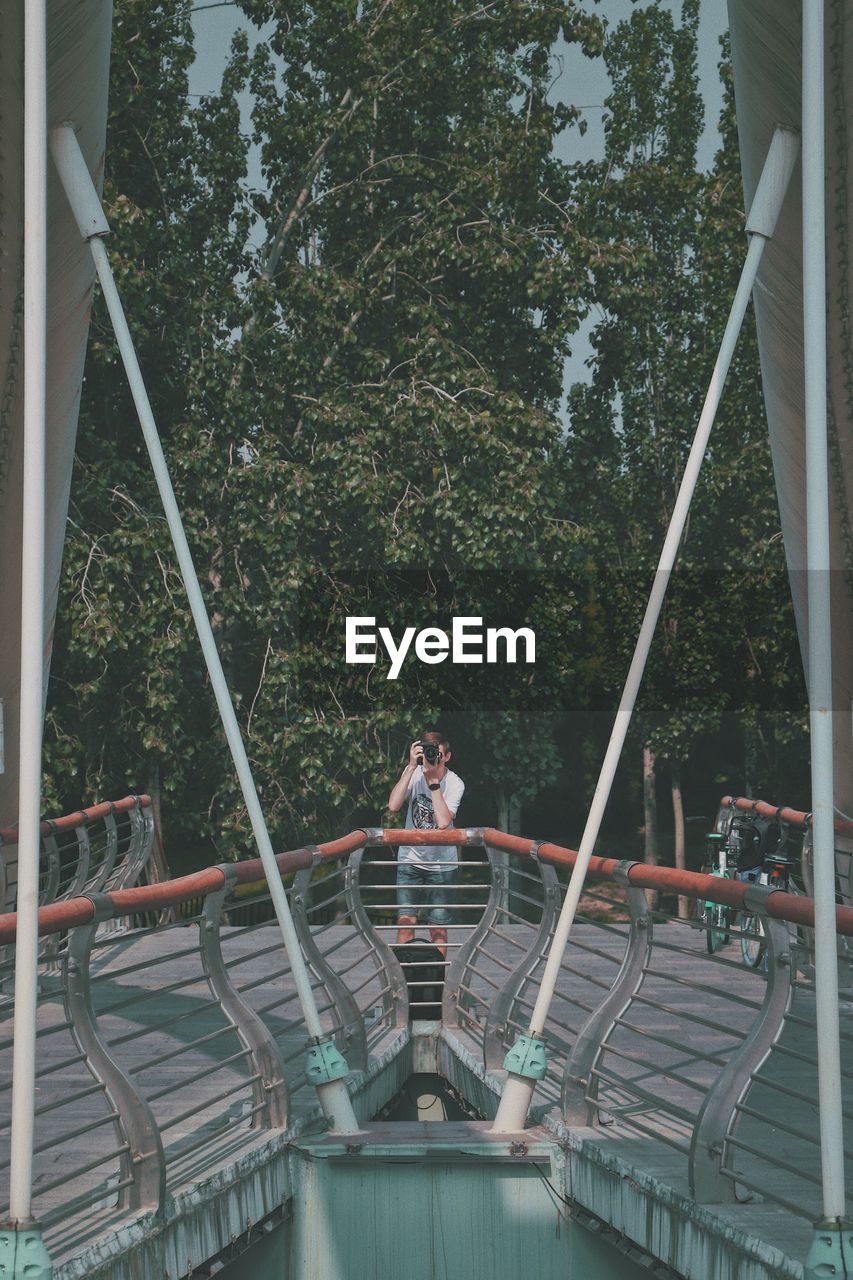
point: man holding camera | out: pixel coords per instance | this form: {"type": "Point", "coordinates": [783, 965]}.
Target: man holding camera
{"type": "Point", "coordinates": [424, 871]}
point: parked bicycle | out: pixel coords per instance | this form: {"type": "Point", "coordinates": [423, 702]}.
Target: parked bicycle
{"type": "Point", "coordinates": [776, 873]}
{"type": "Point", "coordinates": [716, 917]}
{"type": "Point", "coordinates": [751, 850]}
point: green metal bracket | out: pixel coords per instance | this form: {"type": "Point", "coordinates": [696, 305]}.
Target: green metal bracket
{"type": "Point", "coordinates": [23, 1255]}
{"type": "Point", "coordinates": [324, 1063]}
{"type": "Point", "coordinates": [527, 1058]}
{"type": "Point", "coordinates": [830, 1255]}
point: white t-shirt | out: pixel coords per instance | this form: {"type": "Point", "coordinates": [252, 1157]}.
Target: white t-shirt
{"type": "Point", "coordinates": [421, 817]}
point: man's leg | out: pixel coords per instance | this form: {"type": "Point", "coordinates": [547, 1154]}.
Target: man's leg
{"type": "Point", "coordinates": [438, 937]}
{"type": "Point", "coordinates": [439, 916]}
{"type": "Point", "coordinates": [406, 930]}
{"type": "Point", "coordinates": [407, 916]}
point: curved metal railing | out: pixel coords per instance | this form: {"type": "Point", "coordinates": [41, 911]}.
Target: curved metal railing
{"type": "Point", "coordinates": [797, 831]}
{"type": "Point", "coordinates": [173, 1047]}
{"type": "Point", "coordinates": [106, 845]}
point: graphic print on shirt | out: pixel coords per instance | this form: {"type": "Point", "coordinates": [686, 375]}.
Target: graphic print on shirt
{"type": "Point", "coordinates": [423, 817]}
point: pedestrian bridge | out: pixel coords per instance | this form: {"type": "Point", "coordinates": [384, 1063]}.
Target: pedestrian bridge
{"type": "Point", "coordinates": [177, 1133]}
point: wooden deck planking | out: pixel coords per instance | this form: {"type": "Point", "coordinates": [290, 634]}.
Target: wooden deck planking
{"type": "Point", "coordinates": [165, 1010]}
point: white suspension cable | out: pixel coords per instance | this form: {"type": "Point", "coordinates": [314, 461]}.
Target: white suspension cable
{"type": "Point", "coordinates": [819, 616]}
{"type": "Point", "coordinates": [32, 606]}
{"type": "Point", "coordinates": [87, 209]}
{"type": "Point", "coordinates": [518, 1090]}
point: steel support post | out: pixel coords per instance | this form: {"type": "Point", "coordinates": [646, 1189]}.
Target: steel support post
{"type": "Point", "coordinates": [142, 1162]}
{"type": "Point", "coordinates": [500, 1016]}
{"type": "Point", "coordinates": [272, 1102]}
{"type": "Point", "coordinates": [86, 207]}
{"type": "Point", "coordinates": [579, 1089]}
{"type": "Point", "coordinates": [718, 1114]}
{"type": "Point", "coordinates": [459, 1007]}
{"type": "Point", "coordinates": [22, 1251]}
{"type": "Point", "coordinates": [395, 997]}
{"type": "Point", "coordinates": [761, 223]}
{"type": "Point", "coordinates": [350, 1036]}
{"type": "Point", "coordinates": [819, 643]}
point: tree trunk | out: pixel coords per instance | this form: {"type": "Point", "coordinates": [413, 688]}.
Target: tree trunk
{"type": "Point", "coordinates": [157, 870]}
{"type": "Point", "coordinates": [678, 825]}
{"type": "Point", "coordinates": [749, 763]}
{"type": "Point", "coordinates": [158, 867]}
{"type": "Point", "coordinates": [650, 815]}
{"type": "Point", "coordinates": [503, 810]}
{"type": "Point", "coordinates": [507, 812]}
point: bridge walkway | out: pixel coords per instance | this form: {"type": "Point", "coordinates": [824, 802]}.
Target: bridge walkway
{"type": "Point", "coordinates": [171, 1091]}
{"type": "Point", "coordinates": [182, 1054]}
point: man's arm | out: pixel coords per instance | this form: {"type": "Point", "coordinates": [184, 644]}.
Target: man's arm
{"type": "Point", "coordinates": [397, 798]}
{"type": "Point", "coordinates": [444, 807]}
{"type": "Point", "coordinates": [443, 814]}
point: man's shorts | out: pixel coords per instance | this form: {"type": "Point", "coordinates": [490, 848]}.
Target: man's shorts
{"type": "Point", "coordinates": [419, 886]}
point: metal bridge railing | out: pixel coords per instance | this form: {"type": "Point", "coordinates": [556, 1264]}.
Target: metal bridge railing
{"type": "Point", "coordinates": [107, 845]}
{"type": "Point", "coordinates": [170, 1048]}
{"type": "Point", "coordinates": [797, 840]}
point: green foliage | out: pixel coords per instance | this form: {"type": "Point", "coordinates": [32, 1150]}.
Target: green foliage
{"type": "Point", "coordinates": [671, 247]}
{"type": "Point", "coordinates": [361, 418]}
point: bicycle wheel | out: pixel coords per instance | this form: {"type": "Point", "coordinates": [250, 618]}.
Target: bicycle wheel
{"type": "Point", "coordinates": [715, 920]}
{"type": "Point", "coordinates": [751, 941]}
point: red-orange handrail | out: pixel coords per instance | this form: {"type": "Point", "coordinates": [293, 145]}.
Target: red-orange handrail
{"type": "Point", "coordinates": [695, 884]}
{"type": "Point", "coordinates": [794, 817]}
{"type": "Point", "coordinates": [82, 818]}
{"type": "Point", "coordinates": [731, 893]}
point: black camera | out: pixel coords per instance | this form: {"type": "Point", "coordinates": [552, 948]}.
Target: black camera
{"type": "Point", "coordinates": [431, 751]}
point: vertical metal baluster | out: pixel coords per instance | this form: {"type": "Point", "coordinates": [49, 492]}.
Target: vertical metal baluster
{"type": "Point", "coordinates": [104, 871]}
{"type": "Point", "coordinates": [84, 860]}
{"type": "Point", "coordinates": [7, 954]}
{"type": "Point", "coordinates": [807, 861]}
{"type": "Point", "coordinates": [12, 880]}
{"type": "Point", "coordinates": [4, 879]}
{"type": "Point", "coordinates": [134, 1122]}
{"type": "Point", "coordinates": [395, 1001]}
{"type": "Point", "coordinates": [139, 846]}
{"type": "Point", "coordinates": [497, 1030]}
{"type": "Point", "coordinates": [270, 1090]}
{"type": "Point", "coordinates": [844, 863]}
{"type": "Point", "coordinates": [50, 947]}
{"type": "Point", "coordinates": [717, 1116]}
{"type": "Point", "coordinates": [807, 873]}
{"type": "Point", "coordinates": [350, 1037]}
{"type": "Point", "coordinates": [114, 872]}
{"type": "Point", "coordinates": [50, 863]}
{"type": "Point", "coordinates": [579, 1086]}
{"type": "Point", "coordinates": [456, 1001]}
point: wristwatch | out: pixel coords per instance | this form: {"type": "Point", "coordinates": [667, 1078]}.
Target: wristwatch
{"type": "Point", "coordinates": [434, 786]}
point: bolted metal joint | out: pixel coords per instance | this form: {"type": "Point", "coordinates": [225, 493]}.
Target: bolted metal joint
{"type": "Point", "coordinates": [755, 898]}
{"type": "Point", "coordinates": [527, 1058]}
{"type": "Point", "coordinates": [103, 910]}
{"type": "Point", "coordinates": [831, 1251]}
{"type": "Point", "coordinates": [324, 1063]}
{"type": "Point", "coordinates": [23, 1255]}
{"type": "Point", "coordinates": [621, 871]}
{"type": "Point", "coordinates": [229, 872]}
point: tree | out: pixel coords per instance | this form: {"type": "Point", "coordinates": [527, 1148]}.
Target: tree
{"type": "Point", "coordinates": [671, 247]}
{"type": "Point", "coordinates": [127, 701]}
{"type": "Point", "coordinates": [360, 419]}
